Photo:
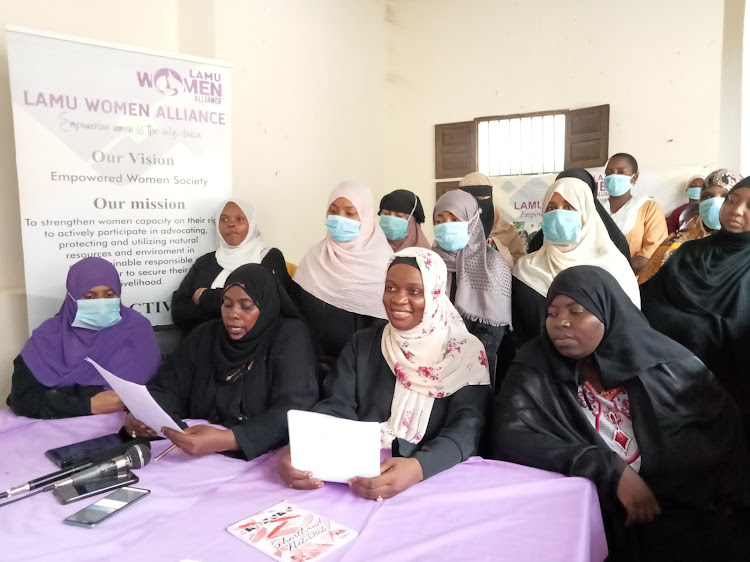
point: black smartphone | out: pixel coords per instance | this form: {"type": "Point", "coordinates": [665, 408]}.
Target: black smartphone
{"type": "Point", "coordinates": [92, 515]}
{"type": "Point", "coordinates": [99, 449]}
{"type": "Point", "coordinates": [74, 492]}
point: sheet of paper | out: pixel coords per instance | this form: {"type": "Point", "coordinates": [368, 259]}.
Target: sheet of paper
{"type": "Point", "coordinates": [334, 449]}
{"type": "Point", "coordinates": [138, 400]}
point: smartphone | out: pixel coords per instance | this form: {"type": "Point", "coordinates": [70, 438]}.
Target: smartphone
{"type": "Point", "coordinates": [99, 449]}
{"type": "Point", "coordinates": [74, 492]}
{"type": "Point", "coordinates": [92, 515]}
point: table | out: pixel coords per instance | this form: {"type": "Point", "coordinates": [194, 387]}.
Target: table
{"type": "Point", "coordinates": [478, 510]}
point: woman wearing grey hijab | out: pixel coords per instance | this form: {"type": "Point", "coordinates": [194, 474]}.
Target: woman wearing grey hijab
{"type": "Point", "coordinates": [479, 279]}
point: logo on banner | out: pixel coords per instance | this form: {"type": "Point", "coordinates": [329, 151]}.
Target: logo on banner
{"type": "Point", "coordinates": [205, 87]}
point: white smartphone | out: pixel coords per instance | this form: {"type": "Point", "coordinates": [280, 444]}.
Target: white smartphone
{"type": "Point", "coordinates": [92, 515]}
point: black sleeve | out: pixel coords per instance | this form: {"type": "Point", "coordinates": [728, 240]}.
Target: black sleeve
{"type": "Point", "coordinates": [529, 312]}
{"type": "Point", "coordinates": [294, 386]}
{"type": "Point", "coordinates": [459, 437]}
{"type": "Point", "coordinates": [536, 241]}
{"type": "Point", "coordinates": [28, 397]}
{"type": "Point", "coordinates": [186, 315]}
{"type": "Point", "coordinates": [340, 385]}
{"type": "Point", "coordinates": [530, 427]}
{"type": "Point", "coordinates": [173, 384]}
{"type": "Point", "coordinates": [274, 262]}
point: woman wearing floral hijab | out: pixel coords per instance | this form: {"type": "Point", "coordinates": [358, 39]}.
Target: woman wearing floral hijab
{"type": "Point", "coordinates": [423, 376]}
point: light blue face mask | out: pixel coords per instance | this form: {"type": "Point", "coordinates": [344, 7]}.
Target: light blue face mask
{"type": "Point", "coordinates": [341, 228]}
{"type": "Point", "coordinates": [562, 226]}
{"type": "Point", "coordinates": [710, 210]}
{"type": "Point", "coordinates": [452, 236]}
{"type": "Point", "coordinates": [395, 228]}
{"type": "Point", "coordinates": [616, 184]}
{"type": "Point", "coordinates": [97, 314]}
{"type": "Point", "coordinates": [694, 193]}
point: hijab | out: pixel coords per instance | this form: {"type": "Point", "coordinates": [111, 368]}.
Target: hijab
{"type": "Point", "coordinates": [483, 278]}
{"type": "Point", "coordinates": [56, 350]}
{"type": "Point", "coordinates": [478, 185]}
{"type": "Point", "coordinates": [615, 234]}
{"type": "Point", "coordinates": [434, 359]}
{"type": "Point", "coordinates": [251, 250]}
{"type": "Point", "coordinates": [629, 348]}
{"type": "Point", "coordinates": [406, 202]}
{"type": "Point", "coordinates": [594, 247]}
{"type": "Point", "coordinates": [701, 297]}
{"type": "Point", "coordinates": [349, 275]}
{"type": "Point", "coordinates": [233, 358]}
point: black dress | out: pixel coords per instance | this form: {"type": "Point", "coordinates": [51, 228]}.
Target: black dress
{"type": "Point", "coordinates": [32, 399]}
{"type": "Point", "coordinates": [331, 326]}
{"type": "Point", "coordinates": [361, 388]}
{"type": "Point", "coordinates": [529, 311]}
{"type": "Point", "coordinates": [186, 315]}
{"type": "Point", "coordinates": [254, 407]}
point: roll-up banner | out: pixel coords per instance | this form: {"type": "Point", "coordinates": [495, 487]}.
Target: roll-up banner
{"type": "Point", "coordinates": [122, 153]}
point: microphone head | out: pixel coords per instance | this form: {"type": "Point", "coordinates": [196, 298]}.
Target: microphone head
{"type": "Point", "coordinates": [138, 456]}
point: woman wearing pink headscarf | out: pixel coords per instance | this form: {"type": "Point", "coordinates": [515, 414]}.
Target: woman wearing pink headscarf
{"type": "Point", "coordinates": [338, 285]}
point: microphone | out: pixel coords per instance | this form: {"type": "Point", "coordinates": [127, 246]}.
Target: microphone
{"type": "Point", "coordinates": [46, 479]}
{"type": "Point", "coordinates": [137, 456]}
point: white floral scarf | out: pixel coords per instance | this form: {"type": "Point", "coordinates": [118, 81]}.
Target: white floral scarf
{"type": "Point", "coordinates": [432, 360]}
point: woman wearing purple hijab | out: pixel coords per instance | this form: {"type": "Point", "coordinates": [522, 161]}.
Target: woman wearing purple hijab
{"type": "Point", "coordinates": [51, 378]}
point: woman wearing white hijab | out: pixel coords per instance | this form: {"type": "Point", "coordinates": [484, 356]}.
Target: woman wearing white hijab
{"type": "Point", "coordinates": [574, 234]}
{"type": "Point", "coordinates": [423, 376]}
{"type": "Point", "coordinates": [338, 285]}
{"type": "Point", "coordinates": [199, 297]}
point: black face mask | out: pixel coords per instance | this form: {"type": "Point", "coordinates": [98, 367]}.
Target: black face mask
{"type": "Point", "coordinates": [487, 215]}
{"type": "Point", "coordinates": [486, 206]}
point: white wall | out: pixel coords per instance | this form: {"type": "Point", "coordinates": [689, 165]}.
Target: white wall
{"type": "Point", "coordinates": [658, 64]}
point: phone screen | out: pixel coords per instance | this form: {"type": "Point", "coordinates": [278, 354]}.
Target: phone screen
{"type": "Point", "coordinates": [71, 493]}
{"type": "Point", "coordinates": [84, 450]}
{"type": "Point", "coordinates": [108, 505]}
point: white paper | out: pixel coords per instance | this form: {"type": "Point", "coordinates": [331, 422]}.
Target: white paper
{"type": "Point", "coordinates": [333, 449]}
{"type": "Point", "coordinates": [138, 400]}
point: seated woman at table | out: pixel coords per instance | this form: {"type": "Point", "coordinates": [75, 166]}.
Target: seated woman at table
{"type": "Point", "coordinates": [244, 372]}
{"type": "Point", "coordinates": [602, 395]}
{"type": "Point", "coordinates": [51, 379]}
{"type": "Point", "coordinates": [479, 279]}
{"type": "Point", "coordinates": [574, 235]}
{"type": "Point", "coordinates": [338, 284]}
{"type": "Point", "coordinates": [422, 375]}
{"type": "Point", "coordinates": [198, 299]}
{"type": "Point", "coordinates": [700, 297]}
{"type": "Point", "coordinates": [401, 217]}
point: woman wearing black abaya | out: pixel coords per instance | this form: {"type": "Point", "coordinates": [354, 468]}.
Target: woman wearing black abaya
{"type": "Point", "coordinates": [602, 395]}
{"type": "Point", "coordinates": [615, 234]}
{"type": "Point", "coordinates": [244, 372]}
{"type": "Point", "coordinates": [701, 298]}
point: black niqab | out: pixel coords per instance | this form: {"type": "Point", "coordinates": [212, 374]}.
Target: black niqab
{"type": "Point", "coordinates": [486, 205]}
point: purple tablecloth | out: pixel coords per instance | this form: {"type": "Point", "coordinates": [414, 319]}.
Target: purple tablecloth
{"type": "Point", "coordinates": [478, 510]}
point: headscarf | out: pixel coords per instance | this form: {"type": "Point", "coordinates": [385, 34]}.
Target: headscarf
{"type": "Point", "coordinates": [629, 347]}
{"type": "Point", "coordinates": [432, 360]}
{"type": "Point", "coordinates": [251, 249]}
{"type": "Point", "coordinates": [615, 234]}
{"type": "Point", "coordinates": [483, 278]}
{"type": "Point", "coordinates": [594, 246]}
{"type": "Point", "coordinates": [723, 178]}
{"type": "Point", "coordinates": [406, 202]}
{"type": "Point", "coordinates": [478, 185]}
{"type": "Point", "coordinates": [700, 297]}
{"type": "Point", "coordinates": [56, 350]}
{"type": "Point", "coordinates": [234, 358]}
{"type": "Point", "coordinates": [349, 275]}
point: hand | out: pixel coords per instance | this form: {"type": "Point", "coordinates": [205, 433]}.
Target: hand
{"type": "Point", "coordinates": [636, 498]}
{"type": "Point", "coordinates": [137, 427]}
{"type": "Point", "coordinates": [106, 402]}
{"type": "Point", "coordinates": [202, 439]}
{"type": "Point", "coordinates": [299, 479]}
{"type": "Point", "coordinates": [197, 295]}
{"type": "Point", "coordinates": [396, 475]}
